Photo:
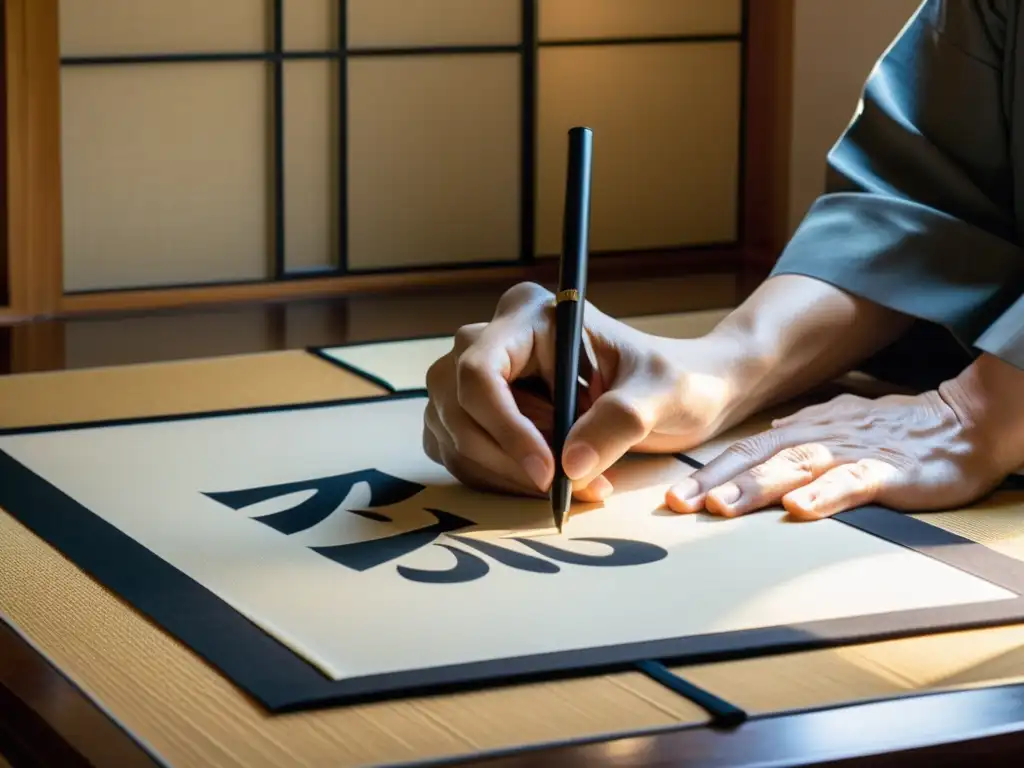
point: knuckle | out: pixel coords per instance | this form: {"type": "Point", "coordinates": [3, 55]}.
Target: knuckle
{"type": "Point", "coordinates": [450, 439]}
{"type": "Point", "coordinates": [430, 445]}
{"type": "Point", "coordinates": [805, 457]}
{"type": "Point", "coordinates": [469, 370]}
{"type": "Point", "coordinates": [457, 468]}
{"type": "Point", "coordinates": [430, 417]}
{"type": "Point", "coordinates": [752, 447]}
{"type": "Point", "coordinates": [520, 295]}
{"type": "Point", "coordinates": [437, 375]}
{"type": "Point", "coordinates": [631, 413]}
{"type": "Point", "coordinates": [430, 449]}
{"type": "Point", "coordinates": [457, 441]}
{"type": "Point", "coordinates": [759, 472]}
{"type": "Point", "coordinates": [860, 472]}
{"type": "Point", "coordinates": [848, 401]}
{"type": "Point", "coordinates": [850, 445]}
{"type": "Point", "coordinates": [742, 449]}
{"type": "Point", "coordinates": [467, 387]}
{"type": "Point", "coordinates": [888, 461]}
{"type": "Point", "coordinates": [467, 335]}
{"type": "Point", "coordinates": [659, 365]}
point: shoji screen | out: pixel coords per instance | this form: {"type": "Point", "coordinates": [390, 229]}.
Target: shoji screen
{"type": "Point", "coordinates": [435, 136]}
{"type": "Point", "coordinates": [164, 165]}
{"type": "Point", "coordinates": [256, 140]}
{"type": "Point", "coordinates": [659, 81]}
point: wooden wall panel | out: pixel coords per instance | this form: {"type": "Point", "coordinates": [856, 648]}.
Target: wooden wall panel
{"type": "Point", "coordinates": [666, 122]}
{"type": "Point", "coordinates": [403, 23]}
{"type": "Point", "coordinates": [165, 174]}
{"type": "Point", "coordinates": [4, 132]}
{"type": "Point", "coordinates": [120, 27]}
{"type": "Point", "coordinates": [33, 157]}
{"type": "Point", "coordinates": [35, 347]}
{"type": "Point", "coordinates": [589, 19]}
{"type": "Point", "coordinates": [311, 93]}
{"type": "Point", "coordinates": [101, 342]}
{"type": "Point", "coordinates": [311, 324]}
{"type": "Point", "coordinates": [434, 160]}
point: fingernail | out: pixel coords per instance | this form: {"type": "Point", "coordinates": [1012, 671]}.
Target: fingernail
{"type": "Point", "coordinates": [537, 470]}
{"type": "Point", "coordinates": [801, 503]}
{"type": "Point", "coordinates": [686, 490]}
{"type": "Point", "coordinates": [800, 496]}
{"type": "Point", "coordinates": [602, 487]}
{"type": "Point", "coordinates": [579, 460]}
{"type": "Point", "coordinates": [726, 494]}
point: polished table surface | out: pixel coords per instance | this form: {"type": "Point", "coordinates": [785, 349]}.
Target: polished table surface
{"type": "Point", "coordinates": [78, 664]}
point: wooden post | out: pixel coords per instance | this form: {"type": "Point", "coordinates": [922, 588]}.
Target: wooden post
{"type": "Point", "coordinates": [37, 347]}
{"type": "Point", "coordinates": [4, 287]}
{"type": "Point", "coordinates": [768, 130]}
{"type": "Point", "coordinates": [32, 197]}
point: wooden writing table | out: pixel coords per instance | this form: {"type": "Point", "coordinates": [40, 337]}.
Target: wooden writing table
{"type": "Point", "coordinates": [84, 679]}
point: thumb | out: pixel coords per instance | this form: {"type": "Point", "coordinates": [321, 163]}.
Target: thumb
{"type": "Point", "coordinates": [616, 421]}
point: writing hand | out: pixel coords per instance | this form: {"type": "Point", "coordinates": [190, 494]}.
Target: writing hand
{"type": "Point", "coordinates": [644, 393]}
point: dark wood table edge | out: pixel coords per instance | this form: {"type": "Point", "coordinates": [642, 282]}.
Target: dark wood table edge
{"type": "Point", "coordinates": [46, 720]}
{"type": "Point", "coordinates": [926, 729]}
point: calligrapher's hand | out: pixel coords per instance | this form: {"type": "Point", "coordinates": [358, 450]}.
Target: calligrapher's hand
{"type": "Point", "coordinates": [910, 453]}
{"type": "Point", "coordinates": [644, 393]}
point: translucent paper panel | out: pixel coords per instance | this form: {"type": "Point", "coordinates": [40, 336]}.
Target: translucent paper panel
{"type": "Point", "coordinates": [310, 25]}
{"type": "Point", "coordinates": [311, 164]}
{"type": "Point", "coordinates": [666, 120]}
{"type": "Point", "coordinates": [397, 23]}
{"type": "Point", "coordinates": [434, 160]}
{"type": "Point", "coordinates": [581, 19]}
{"type": "Point", "coordinates": [165, 174]}
{"type": "Point", "coordinates": [113, 27]}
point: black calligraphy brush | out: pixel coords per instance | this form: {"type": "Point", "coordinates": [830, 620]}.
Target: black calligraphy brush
{"type": "Point", "coordinates": [570, 300]}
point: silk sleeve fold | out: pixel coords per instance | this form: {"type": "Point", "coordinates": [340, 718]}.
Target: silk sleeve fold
{"type": "Point", "coordinates": [918, 213]}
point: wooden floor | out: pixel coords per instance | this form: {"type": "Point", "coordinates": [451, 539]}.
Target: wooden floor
{"type": "Point", "coordinates": [243, 329]}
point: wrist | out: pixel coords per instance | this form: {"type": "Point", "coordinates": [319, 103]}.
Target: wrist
{"type": "Point", "coordinates": [795, 333]}
{"type": "Point", "coordinates": [986, 398]}
{"type": "Point", "coordinates": [733, 365]}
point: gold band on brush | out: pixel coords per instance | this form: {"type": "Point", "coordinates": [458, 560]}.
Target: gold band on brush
{"type": "Point", "coordinates": [569, 295]}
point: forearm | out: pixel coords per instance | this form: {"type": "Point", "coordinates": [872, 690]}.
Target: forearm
{"type": "Point", "coordinates": [794, 333]}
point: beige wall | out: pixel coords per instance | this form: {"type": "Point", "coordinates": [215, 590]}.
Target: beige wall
{"type": "Point", "coordinates": [837, 42]}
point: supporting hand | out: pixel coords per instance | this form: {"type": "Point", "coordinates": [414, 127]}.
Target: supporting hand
{"type": "Point", "coordinates": [942, 449]}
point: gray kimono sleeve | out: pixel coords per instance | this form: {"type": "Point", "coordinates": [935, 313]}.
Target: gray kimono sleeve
{"type": "Point", "coordinates": [918, 213]}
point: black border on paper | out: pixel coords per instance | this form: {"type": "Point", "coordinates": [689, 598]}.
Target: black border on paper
{"type": "Point", "coordinates": [282, 681]}
{"type": "Point", "coordinates": [324, 353]}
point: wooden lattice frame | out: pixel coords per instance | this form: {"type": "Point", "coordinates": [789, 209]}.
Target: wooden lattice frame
{"type": "Point", "coordinates": [31, 280]}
